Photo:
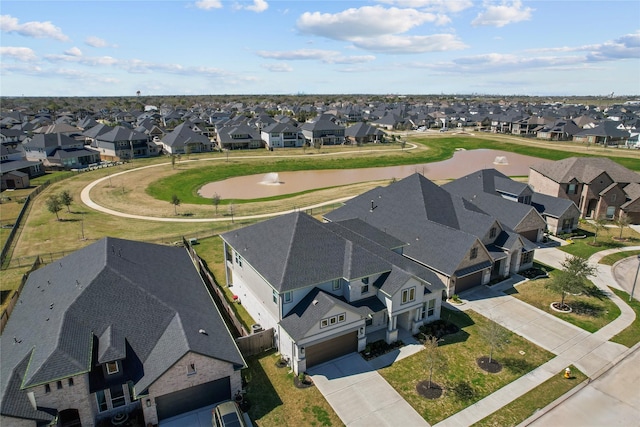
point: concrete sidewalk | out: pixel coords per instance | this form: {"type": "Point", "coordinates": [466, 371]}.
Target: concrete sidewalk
{"type": "Point", "coordinates": [593, 354]}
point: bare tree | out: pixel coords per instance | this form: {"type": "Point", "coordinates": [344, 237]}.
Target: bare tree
{"type": "Point", "coordinates": [598, 225]}
{"type": "Point", "coordinates": [173, 161]}
{"type": "Point", "coordinates": [432, 355]}
{"type": "Point", "coordinates": [232, 210]}
{"type": "Point", "coordinates": [494, 335]}
{"type": "Point", "coordinates": [54, 205]}
{"type": "Point", "coordinates": [215, 199]}
{"type": "Point", "coordinates": [622, 222]}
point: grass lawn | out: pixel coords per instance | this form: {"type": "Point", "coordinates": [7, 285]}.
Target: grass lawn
{"type": "Point", "coordinates": [459, 352]}
{"type": "Point", "coordinates": [589, 312]}
{"type": "Point", "coordinates": [613, 258]}
{"type": "Point", "coordinates": [630, 336]}
{"type": "Point", "coordinates": [211, 251]}
{"type": "Point", "coordinates": [605, 240]}
{"type": "Point", "coordinates": [276, 402]}
{"type": "Point", "coordinates": [523, 407]}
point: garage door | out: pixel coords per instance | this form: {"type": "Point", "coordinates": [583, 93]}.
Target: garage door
{"type": "Point", "coordinates": [468, 282]}
{"type": "Point", "coordinates": [330, 349]}
{"type": "Point", "coordinates": [179, 402]}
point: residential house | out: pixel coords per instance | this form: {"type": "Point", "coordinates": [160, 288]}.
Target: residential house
{"type": "Point", "coordinates": [607, 132]}
{"type": "Point", "coordinates": [122, 143]}
{"type": "Point", "coordinates": [15, 170]}
{"type": "Point", "coordinates": [236, 136]}
{"type": "Point", "coordinates": [324, 287]}
{"type": "Point", "coordinates": [560, 130]}
{"type": "Point", "coordinates": [322, 132]}
{"type": "Point", "coordinates": [59, 150]}
{"type": "Point", "coordinates": [597, 185]}
{"type": "Point", "coordinates": [451, 236]}
{"type": "Point", "coordinates": [280, 135]}
{"type": "Point", "coordinates": [118, 328]}
{"type": "Point", "coordinates": [183, 139]}
{"type": "Point", "coordinates": [362, 133]}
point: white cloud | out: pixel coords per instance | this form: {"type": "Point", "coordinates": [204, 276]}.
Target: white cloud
{"type": "Point", "coordinates": [74, 51]}
{"type": "Point", "coordinates": [278, 68]}
{"type": "Point", "coordinates": [18, 53]}
{"type": "Point", "coordinates": [624, 47]}
{"type": "Point", "coordinates": [208, 4]}
{"type": "Point", "coordinates": [499, 15]}
{"type": "Point", "coordinates": [392, 44]}
{"type": "Point", "coordinates": [326, 56]}
{"type": "Point", "coordinates": [41, 30]}
{"type": "Point", "coordinates": [444, 6]}
{"type": "Point", "coordinates": [97, 42]}
{"type": "Point", "coordinates": [367, 21]}
{"type": "Point", "coordinates": [257, 6]}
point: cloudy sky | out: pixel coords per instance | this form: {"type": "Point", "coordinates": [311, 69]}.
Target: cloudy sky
{"type": "Point", "coordinates": [172, 47]}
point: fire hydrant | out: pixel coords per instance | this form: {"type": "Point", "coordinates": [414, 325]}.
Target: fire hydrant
{"type": "Point", "coordinates": [567, 373]}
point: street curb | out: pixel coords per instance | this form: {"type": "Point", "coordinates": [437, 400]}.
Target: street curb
{"type": "Point", "coordinates": [541, 412]}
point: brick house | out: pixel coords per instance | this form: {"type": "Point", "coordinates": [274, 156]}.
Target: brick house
{"type": "Point", "coordinates": [116, 329]}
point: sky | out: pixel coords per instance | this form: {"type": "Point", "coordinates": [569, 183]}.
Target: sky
{"type": "Point", "coordinates": [403, 47]}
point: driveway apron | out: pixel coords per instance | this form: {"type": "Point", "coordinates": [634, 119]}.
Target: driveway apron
{"type": "Point", "coordinates": [360, 396]}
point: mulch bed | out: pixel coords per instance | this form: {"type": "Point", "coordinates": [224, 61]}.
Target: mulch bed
{"type": "Point", "coordinates": [281, 363]}
{"type": "Point", "coordinates": [433, 392]}
{"type": "Point", "coordinates": [493, 368]}
{"type": "Point", "coordinates": [306, 383]}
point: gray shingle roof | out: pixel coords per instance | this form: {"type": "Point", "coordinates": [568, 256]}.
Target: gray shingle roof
{"type": "Point", "coordinates": [130, 287]}
{"type": "Point", "coordinates": [552, 206]}
{"type": "Point", "coordinates": [585, 169]}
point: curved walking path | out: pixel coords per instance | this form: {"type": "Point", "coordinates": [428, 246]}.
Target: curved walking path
{"type": "Point", "coordinates": [85, 194]}
{"type": "Point", "coordinates": [592, 353]}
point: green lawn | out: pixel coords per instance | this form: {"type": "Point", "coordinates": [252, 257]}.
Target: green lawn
{"type": "Point", "coordinates": [211, 251]}
{"type": "Point", "coordinates": [589, 312]}
{"type": "Point", "coordinates": [526, 405]}
{"type": "Point", "coordinates": [276, 402]}
{"type": "Point", "coordinates": [460, 371]}
{"type": "Point", "coordinates": [605, 240]}
{"type": "Point", "coordinates": [613, 258]}
{"type": "Point", "coordinates": [630, 336]}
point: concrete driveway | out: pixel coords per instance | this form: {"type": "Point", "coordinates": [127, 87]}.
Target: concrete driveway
{"type": "Point", "coordinates": [360, 396]}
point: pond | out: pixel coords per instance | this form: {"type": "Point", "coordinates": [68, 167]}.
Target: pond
{"type": "Point", "coordinates": [462, 163]}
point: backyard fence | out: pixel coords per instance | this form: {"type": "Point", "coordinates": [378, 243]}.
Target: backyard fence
{"type": "Point", "coordinates": [255, 343]}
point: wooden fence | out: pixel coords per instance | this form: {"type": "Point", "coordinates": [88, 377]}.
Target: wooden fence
{"type": "Point", "coordinates": [255, 343]}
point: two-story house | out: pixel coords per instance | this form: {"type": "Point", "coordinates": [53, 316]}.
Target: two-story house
{"type": "Point", "coordinates": [280, 135]}
{"type": "Point", "coordinates": [446, 233]}
{"type": "Point", "coordinates": [598, 186]}
{"type": "Point", "coordinates": [323, 132]}
{"type": "Point", "coordinates": [121, 143]}
{"type": "Point", "coordinates": [323, 287]}
{"type": "Point", "coordinates": [116, 331]}
{"type": "Point", "coordinates": [58, 149]}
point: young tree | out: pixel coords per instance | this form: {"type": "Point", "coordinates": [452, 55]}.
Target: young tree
{"type": "Point", "coordinates": [432, 355]}
{"type": "Point", "coordinates": [173, 161]}
{"type": "Point", "coordinates": [175, 201]}
{"type": "Point", "coordinates": [232, 210]}
{"type": "Point", "coordinates": [215, 199]}
{"type": "Point", "coordinates": [187, 151]}
{"type": "Point", "coordinates": [66, 199]}
{"type": "Point", "coordinates": [572, 278]}
{"type": "Point", "coordinates": [494, 335]}
{"type": "Point", "coordinates": [622, 222]}
{"type": "Point", "coordinates": [598, 225]}
{"type": "Point", "coordinates": [54, 205]}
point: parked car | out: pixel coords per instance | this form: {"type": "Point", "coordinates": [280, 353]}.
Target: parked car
{"type": "Point", "coordinates": [227, 414]}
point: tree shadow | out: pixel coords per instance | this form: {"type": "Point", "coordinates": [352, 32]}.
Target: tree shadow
{"type": "Point", "coordinates": [596, 292]}
{"type": "Point", "coordinates": [586, 309]}
{"type": "Point", "coordinates": [517, 365]}
{"type": "Point", "coordinates": [4, 295]}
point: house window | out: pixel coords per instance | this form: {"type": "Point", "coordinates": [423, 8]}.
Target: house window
{"type": "Point", "coordinates": [191, 369]}
{"type": "Point", "coordinates": [117, 396]}
{"type": "Point", "coordinates": [571, 189]}
{"type": "Point", "coordinates": [275, 297]}
{"type": "Point", "coordinates": [611, 210]}
{"type": "Point", "coordinates": [474, 253]}
{"type": "Point", "coordinates": [408, 295]}
{"type": "Point", "coordinates": [238, 259]}
{"type": "Point", "coordinates": [492, 233]}
{"type": "Point", "coordinates": [369, 321]}
{"type": "Point", "coordinates": [47, 388]}
{"type": "Point", "coordinates": [364, 289]}
{"type": "Point", "coordinates": [365, 280]}
{"type": "Point", "coordinates": [431, 308]}
{"type": "Point", "coordinates": [101, 400]}
{"type": "Point", "coordinates": [335, 284]}
{"type": "Point", "coordinates": [59, 385]}
{"type": "Point", "coordinates": [330, 321]}
{"type": "Point", "coordinates": [567, 223]}
{"type": "Point", "coordinates": [527, 257]}
{"type": "Point", "coordinates": [287, 297]}
{"type": "Point", "coordinates": [613, 198]}
{"type": "Point", "coordinates": [70, 382]}
{"type": "Point", "coordinates": [112, 368]}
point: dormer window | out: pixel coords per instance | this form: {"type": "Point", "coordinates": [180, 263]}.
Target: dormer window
{"type": "Point", "coordinates": [492, 233]}
{"type": "Point", "coordinates": [112, 368]}
{"type": "Point", "coordinates": [474, 253]}
{"type": "Point", "coordinates": [365, 280]}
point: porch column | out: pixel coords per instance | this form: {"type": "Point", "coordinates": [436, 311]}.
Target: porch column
{"type": "Point", "coordinates": [417, 322]}
{"type": "Point", "coordinates": [392, 330]}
